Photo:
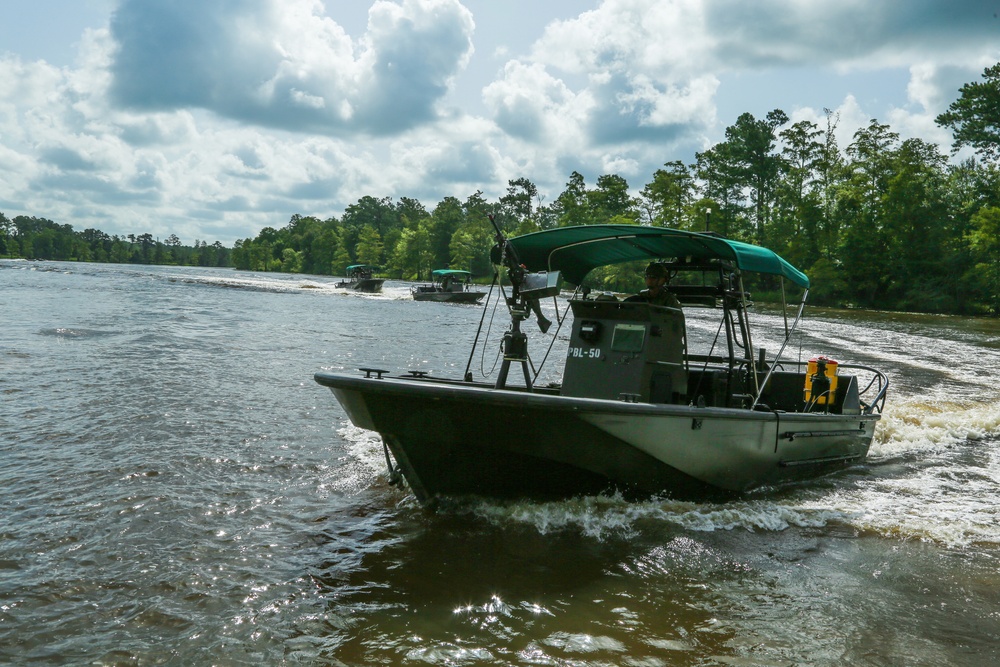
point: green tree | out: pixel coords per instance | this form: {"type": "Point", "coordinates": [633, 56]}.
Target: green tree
{"type": "Point", "coordinates": [379, 214]}
{"type": "Point", "coordinates": [666, 199]}
{"type": "Point", "coordinates": [571, 206]}
{"type": "Point", "coordinates": [291, 261]}
{"type": "Point", "coordinates": [6, 229]}
{"type": "Point", "coordinates": [468, 244]}
{"type": "Point", "coordinates": [721, 185]}
{"type": "Point", "coordinates": [832, 173]}
{"type": "Point", "coordinates": [121, 251]}
{"type": "Point", "coordinates": [974, 117]}
{"type": "Point", "coordinates": [444, 222]}
{"type": "Point", "coordinates": [341, 259]}
{"type": "Point", "coordinates": [798, 214]}
{"type": "Point", "coordinates": [517, 208]}
{"type": "Point", "coordinates": [861, 203]}
{"type": "Point", "coordinates": [369, 249]}
{"type": "Point", "coordinates": [173, 245]}
{"type": "Point", "coordinates": [413, 254]}
{"type": "Point", "coordinates": [610, 198]}
{"type": "Point", "coordinates": [147, 247]}
{"type": "Point", "coordinates": [872, 152]}
{"type": "Point", "coordinates": [241, 254]}
{"type": "Point", "coordinates": [43, 245]}
{"type": "Point", "coordinates": [916, 225]}
{"type": "Point", "coordinates": [324, 243]}
{"type": "Point", "coordinates": [221, 254]}
{"type": "Point", "coordinates": [984, 240]}
{"type": "Point", "coordinates": [755, 163]}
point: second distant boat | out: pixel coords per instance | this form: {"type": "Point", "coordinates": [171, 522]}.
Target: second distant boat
{"type": "Point", "coordinates": [359, 278]}
{"type": "Point", "coordinates": [450, 286]}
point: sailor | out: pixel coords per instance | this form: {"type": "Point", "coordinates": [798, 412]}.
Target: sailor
{"type": "Point", "coordinates": [656, 291]}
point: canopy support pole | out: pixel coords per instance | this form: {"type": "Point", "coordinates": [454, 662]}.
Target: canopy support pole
{"type": "Point", "coordinates": [788, 335]}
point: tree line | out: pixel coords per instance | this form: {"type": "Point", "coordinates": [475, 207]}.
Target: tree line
{"type": "Point", "coordinates": [29, 237]}
{"type": "Point", "coordinates": [881, 223]}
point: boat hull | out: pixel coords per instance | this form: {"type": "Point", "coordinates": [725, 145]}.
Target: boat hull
{"type": "Point", "coordinates": [458, 438]}
{"type": "Point", "coordinates": [370, 285]}
{"type": "Point", "coordinates": [448, 297]}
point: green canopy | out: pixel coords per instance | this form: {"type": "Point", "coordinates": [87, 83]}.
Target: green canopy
{"type": "Point", "coordinates": [455, 273]}
{"type": "Point", "coordinates": [574, 251]}
{"type": "Point", "coordinates": [355, 267]}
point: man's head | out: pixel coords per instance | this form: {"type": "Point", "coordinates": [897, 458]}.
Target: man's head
{"type": "Point", "coordinates": [656, 274]}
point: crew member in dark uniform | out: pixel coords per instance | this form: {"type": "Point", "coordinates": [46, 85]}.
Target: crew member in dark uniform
{"type": "Point", "coordinates": [656, 291]}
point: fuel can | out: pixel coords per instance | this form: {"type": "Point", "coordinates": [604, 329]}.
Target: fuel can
{"type": "Point", "coordinates": [821, 380]}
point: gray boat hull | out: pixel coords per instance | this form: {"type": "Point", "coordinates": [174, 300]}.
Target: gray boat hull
{"type": "Point", "coordinates": [370, 285]}
{"type": "Point", "coordinates": [457, 438]}
{"type": "Point", "coordinates": [444, 296]}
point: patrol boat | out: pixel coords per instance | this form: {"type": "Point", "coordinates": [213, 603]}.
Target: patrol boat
{"type": "Point", "coordinates": [448, 286]}
{"type": "Point", "coordinates": [637, 412]}
{"type": "Point", "coordinates": [360, 279]}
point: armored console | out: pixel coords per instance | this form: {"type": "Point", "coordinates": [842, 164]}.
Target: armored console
{"type": "Point", "coordinates": [626, 351]}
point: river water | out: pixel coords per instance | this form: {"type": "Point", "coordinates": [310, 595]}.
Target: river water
{"type": "Point", "coordinates": [175, 489]}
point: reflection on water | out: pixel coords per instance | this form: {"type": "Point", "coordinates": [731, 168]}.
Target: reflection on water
{"type": "Point", "coordinates": [179, 491]}
{"type": "Point", "coordinates": [654, 592]}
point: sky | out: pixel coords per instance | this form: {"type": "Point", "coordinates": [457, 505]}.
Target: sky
{"type": "Point", "coordinates": [212, 119]}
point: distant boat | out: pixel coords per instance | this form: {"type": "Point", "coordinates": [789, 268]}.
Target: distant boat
{"type": "Point", "coordinates": [449, 286]}
{"type": "Point", "coordinates": [637, 411]}
{"type": "Point", "coordinates": [359, 278]}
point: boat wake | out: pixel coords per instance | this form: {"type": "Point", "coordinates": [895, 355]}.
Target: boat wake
{"type": "Point", "coordinates": [75, 332]}
{"type": "Point", "coordinates": [914, 425]}
{"type": "Point", "coordinates": [612, 517]}
{"type": "Point", "coordinates": [280, 285]}
{"type": "Point", "coordinates": [941, 508]}
{"type": "Point", "coordinates": [364, 465]}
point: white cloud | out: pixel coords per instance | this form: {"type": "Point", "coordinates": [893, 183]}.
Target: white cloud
{"type": "Point", "coordinates": [622, 77]}
{"type": "Point", "coordinates": [641, 77]}
{"type": "Point", "coordinates": [530, 104]}
{"type": "Point", "coordinates": [847, 34]}
{"type": "Point", "coordinates": [662, 39]}
{"type": "Point", "coordinates": [73, 153]}
{"type": "Point", "coordinates": [284, 64]}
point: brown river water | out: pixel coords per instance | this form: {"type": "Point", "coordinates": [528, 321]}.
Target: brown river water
{"type": "Point", "coordinates": [176, 490]}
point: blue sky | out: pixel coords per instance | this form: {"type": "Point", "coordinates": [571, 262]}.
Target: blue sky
{"type": "Point", "coordinates": [212, 119]}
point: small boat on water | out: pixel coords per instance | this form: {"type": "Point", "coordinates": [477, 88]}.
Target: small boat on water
{"type": "Point", "coordinates": [448, 286]}
{"type": "Point", "coordinates": [359, 278]}
{"type": "Point", "coordinates": [639, 410]}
